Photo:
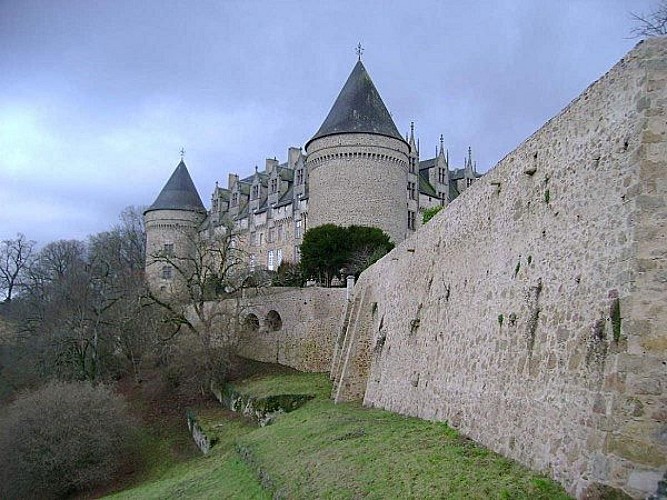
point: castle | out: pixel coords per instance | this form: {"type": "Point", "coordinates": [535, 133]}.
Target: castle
{"type": "Point", "coordinates": [530, 315]}
{"type": "Point", "coordinates": [356, 169]}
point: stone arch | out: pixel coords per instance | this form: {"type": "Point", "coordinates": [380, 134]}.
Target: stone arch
{"type": "Point", "coordinates": [251, 323]}
{"type": "Point", "coordinates": [273, 321]}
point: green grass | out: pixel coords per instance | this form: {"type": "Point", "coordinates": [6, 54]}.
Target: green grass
{"type": "Point", "coordinates": [219, 475]}
{"type": "Point", "coordinates": [317, 384]}
{"type": "Point", "coordinates": [324, 450]}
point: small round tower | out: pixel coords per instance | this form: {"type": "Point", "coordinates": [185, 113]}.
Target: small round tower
{"type": "Point", "coordinates": [358, 163]}
{"type": "Point", "coordinates": [172, 222]}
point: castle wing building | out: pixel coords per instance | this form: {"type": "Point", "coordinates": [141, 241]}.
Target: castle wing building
{"type": "Point", "coordinates": [356, 169]}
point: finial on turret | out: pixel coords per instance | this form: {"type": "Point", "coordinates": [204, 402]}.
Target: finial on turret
{"type": "Point", "coordinates": [442, 144]}
{"type": "Point", "coordinates": [182, 151]}
{"type": "Point", "coordinates": [359, 50]}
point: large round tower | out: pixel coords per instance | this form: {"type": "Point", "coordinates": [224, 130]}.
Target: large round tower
{"type": "Point", "coordinates": [358, 163]}
{"type": "Point", "coordinates": [172, 222]}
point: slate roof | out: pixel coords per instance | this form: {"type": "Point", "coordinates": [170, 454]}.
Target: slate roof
{"type": "Point", "coordinates": [179, 193]}
{"type": "Point", "coordinates": [358, 109]}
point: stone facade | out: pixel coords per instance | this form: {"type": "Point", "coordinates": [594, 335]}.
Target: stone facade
{"type": "Point", "coordinates": [293, 326]}
{"type": "Point", "coordinates": [375, 165]}
{"type": "Point", "coordinates": [532, 313]}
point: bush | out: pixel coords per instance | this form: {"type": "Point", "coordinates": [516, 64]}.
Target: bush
{"type": "Point", "coordinates": [429, 213]}
{"type": "Point", "coordinates": [61, 439]}
{"type": "Point", "coordinates": [330, 251]}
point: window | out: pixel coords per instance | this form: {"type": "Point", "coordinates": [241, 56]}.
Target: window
{"type": "Point", "coordinates": [166, 273]}
{"type": "Point", "coordinates": [279, 257]}
{"type": "Point", "coordinates": [273, 321]}
{"type": "Point", "coordinates": [235, 199]}
{"type": "Point", "coordinates": [442, 175]}
{"type": "Point", "coordinates": [253, 239]}
{"type": "Point", "coordinates": [443, 197]}
{"type": "Point", "coordinates": [255, 192]}
{"type": "Point", "coordinates": [251, 323]}
{"type": "Point", "coordinates": [468, 182]}
{"type": "Point", "coordinates": [271, 236]}
{"type": "Point", "coordinates": [297, 229]}
{"type": "Point", "coordinates": [412, 189]}
{"type": "Point", "coordinates": [411, 220]}
{"type": "Point", "coordinates": [168, 249]}
{"type": "Point", "coordinates": [261, 239]}
{"type": "Point", "coordinates": [280, 233]}
{"type": "Point", "coordinates": [299, 177]}
{"type": "Point", "coordinates": [270, 262]}
{"type": "Point", "coordinates": [252, 261]}
{"type": "Point", "coordinates": [274, 185]}
{"type": "Point", "coordinates": [412, 165]}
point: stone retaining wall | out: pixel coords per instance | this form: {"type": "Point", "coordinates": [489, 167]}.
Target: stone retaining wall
{"type": "Point", "coordinates": [532, 312]}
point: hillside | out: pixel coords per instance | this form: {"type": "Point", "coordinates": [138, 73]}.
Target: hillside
{"type": "Point", "coordinates": [324, 450]}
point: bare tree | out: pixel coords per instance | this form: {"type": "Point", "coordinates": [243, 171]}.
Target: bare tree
{"type": "Point", "coordinates": [214, 268]}
{"type": "Point", "coordinates": [651, 24]}
{"type": "Point", "coordinates": [15, 257]}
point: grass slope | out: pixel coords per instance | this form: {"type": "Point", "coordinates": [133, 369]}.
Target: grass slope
{"type": "Point", "coordinates": [323, 450]}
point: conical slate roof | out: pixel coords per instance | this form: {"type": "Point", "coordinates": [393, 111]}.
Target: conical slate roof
{"type": "Point", "coordinates": [358, 109]}
{"type": "Point", "coordinates": [179, 193]}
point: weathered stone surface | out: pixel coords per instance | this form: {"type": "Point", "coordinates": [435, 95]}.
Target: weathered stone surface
{"type": "Point", "coordinates": [311, 319]}
{"type": "Point", "coordinates": [575, 254]}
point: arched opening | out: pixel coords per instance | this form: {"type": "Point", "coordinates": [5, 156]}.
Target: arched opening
{"type": "Point", "coordinates": [251, 323]}
{"type": "Point", "coordinates": [273, 321]}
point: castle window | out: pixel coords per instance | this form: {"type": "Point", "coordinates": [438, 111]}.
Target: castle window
{"type": "Point", "coordinates": [166, 273]}
{"type": "Point", "coordinates": [168, 249]}
{"type": "Point", "coordinates": [411, 220]}
{"type": "Point", "coordinates": [412, 165]}
{"type": "Point", "coordinates": [412, 190]}
{"type": "Point", "coordinates": [255, 192]}
{"type": "Point", "coordinates": [251, 323]}
{"type": "Point", "coordinates": [271, 236]}
{"type": "Point", "coordinates": [273, 321]}
{"type": "Point", "coordinates": [299, 177]}
{"type": "Point", "coordinates": [442, 175]}
{"type": "Point", "coordinates": [261, 239]}
{"type": "Point", "coordinates": [279, 257]}
{"type": "Point", "coordinates": [270, 261]}
{"type": "Point", "coordinates": [297, 229]}
{"type": "Point", "coordinates": [468, 182]}
{"type": "Point", "coordinates": [274, 185]}
{"type": "Point", "coordinates": [253, 261]}
{"type": "Point", "coordinates": [214, 206]}
{"type": "Point", "coordinates": [235, 199]}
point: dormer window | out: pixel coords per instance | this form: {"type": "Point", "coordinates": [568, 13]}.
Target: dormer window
{"type": "Point", "coordinates": [442, 176]}
{"type": "Point", "coordinates": [235, 199]}
{"type": "Point", "coordinates": [255, 192]}
{"type": "Point", "coordinates": [299, 177]}
{"type": "Point", "coordinates": [274, 186]}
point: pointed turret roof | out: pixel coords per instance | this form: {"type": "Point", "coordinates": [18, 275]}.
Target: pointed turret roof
{"type": "Point", "coordinates": [358, 109]}
{"type": "Point", "coordinates": [179, 193]}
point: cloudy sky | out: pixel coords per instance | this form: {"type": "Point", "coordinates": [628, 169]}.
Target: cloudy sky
{"type": "Point", "coordinates": [97, 97]}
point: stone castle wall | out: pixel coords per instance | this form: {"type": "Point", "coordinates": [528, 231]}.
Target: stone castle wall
{"type": "Point", "coordinates": [311, 318]}
{"type": "Point", "coordinates": [532, 312]}
{"type": "Point", "coordinates": [359, 179]}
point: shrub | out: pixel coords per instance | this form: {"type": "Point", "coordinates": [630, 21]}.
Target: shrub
{"type": "Point", "coordinates": [61, 439]}
{"type": "Point", "coordinates": [429, 213]}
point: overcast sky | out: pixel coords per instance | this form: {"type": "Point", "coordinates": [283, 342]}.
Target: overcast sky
{"type": "Point", "coordinates": [98, 97]}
